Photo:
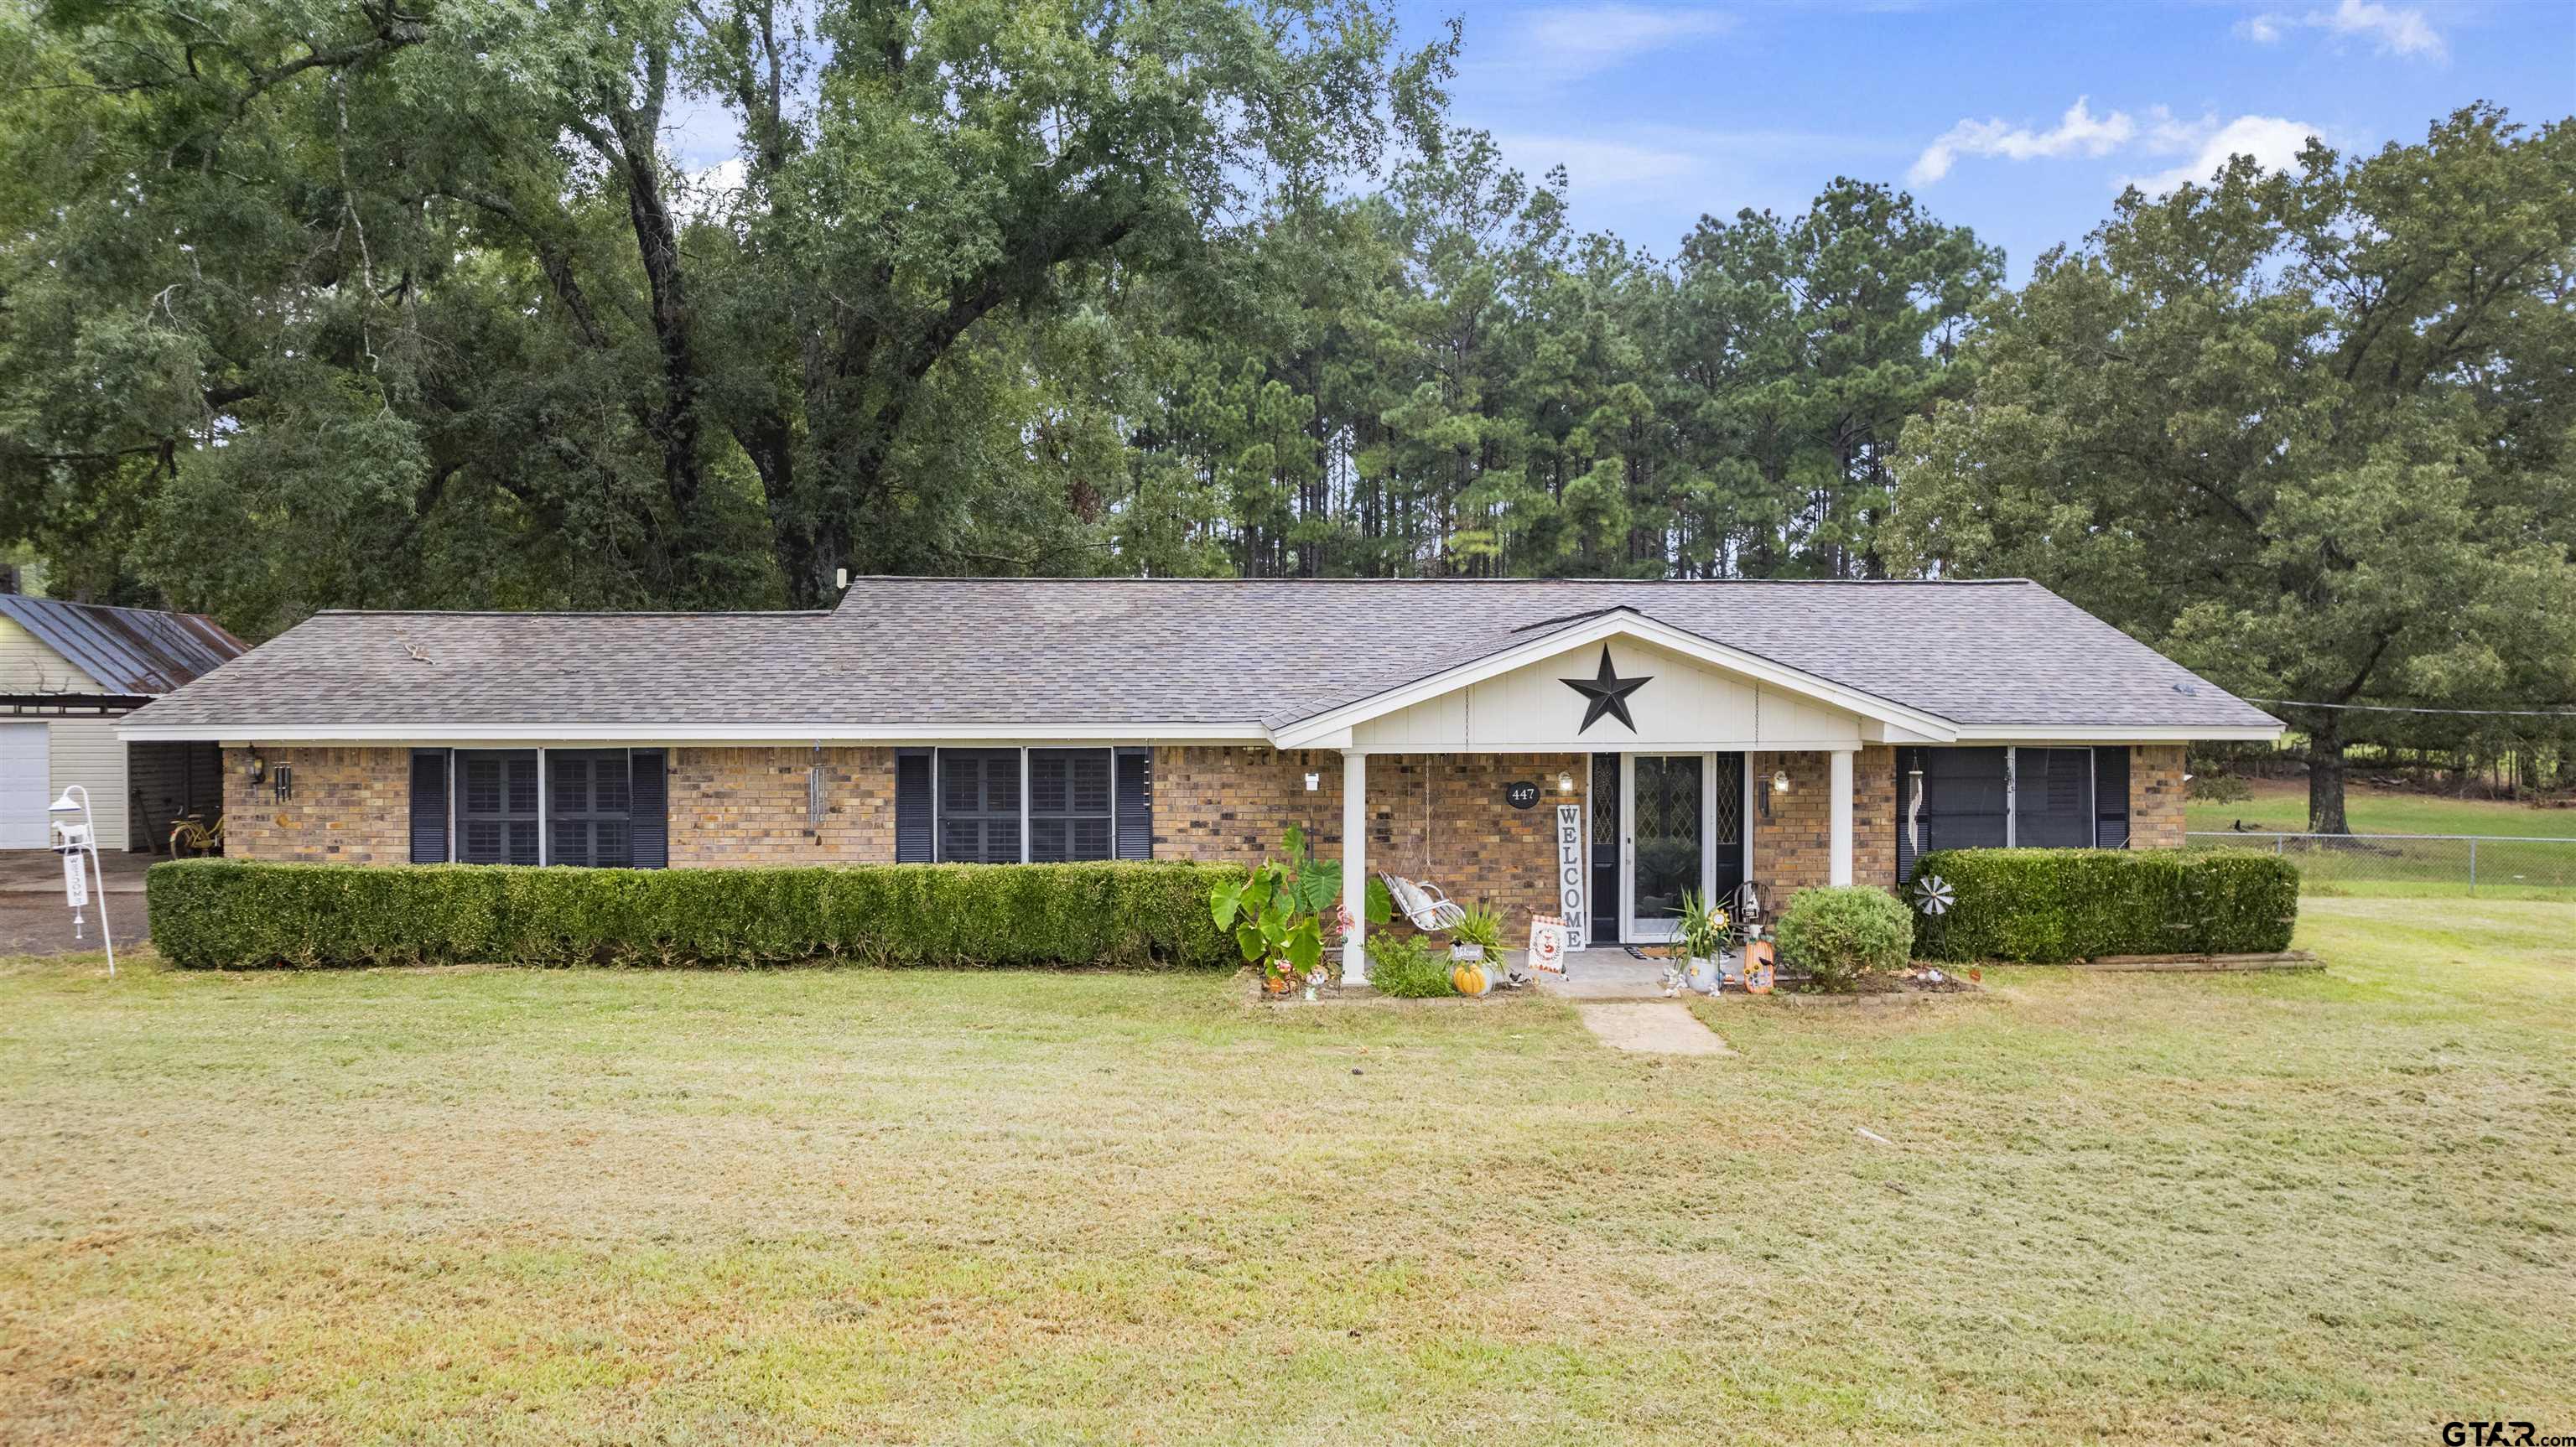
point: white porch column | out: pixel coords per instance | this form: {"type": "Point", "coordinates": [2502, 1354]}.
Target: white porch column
{"type": "Point", "coordinates": [1355, 865]}
{"type": "Point", "coordinates": [1838, 802]}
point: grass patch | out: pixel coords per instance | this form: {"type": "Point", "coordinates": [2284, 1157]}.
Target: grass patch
{"type": "Point", "coordinates": [2282, 804]}
{"type": "Point", "coordinates": [484, 1205]}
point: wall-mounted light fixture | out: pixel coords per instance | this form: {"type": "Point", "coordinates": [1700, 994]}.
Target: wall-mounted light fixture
{"type": "Point", "coordinates": [1565, 783]}
{"type": "Point", "coordinates": [1779, 785]}
{"type": "Point", "coordinates": [1314, 782]}
{"type": "Point", "coordinates": [258, 768]}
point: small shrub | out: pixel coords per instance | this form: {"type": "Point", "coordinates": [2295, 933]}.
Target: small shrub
{"type": "Point", "coordinates": [2051, 906]}
{"type": "Point", "coordinates": [1838, 935]}
{"type": "Point", "coordinates": [1407, 967]}
{"type": "Point", "coordinates": [221, 913]}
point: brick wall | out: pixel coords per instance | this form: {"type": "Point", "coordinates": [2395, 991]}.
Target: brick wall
{"type": "Point", "coordinates": [738, 806]}
{"type": "Point", "coordinates": [741, 806]}
{"type": "Point", "coordinates": [350, 806]}
{"type": "Point", "coordinates": [1438, 818]}
{"type": "Point", "coordinates": [2155, 796]}
{"type": "Point", "coordinates": [1792, 845]}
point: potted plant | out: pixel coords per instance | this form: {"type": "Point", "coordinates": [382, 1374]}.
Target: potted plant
{"type": "Point", "coordinates": [1706, 931]}
{"type": "Point", "coordinates": [1282, 910]}
{"type": "Point", "coordinates": [1472, 942]}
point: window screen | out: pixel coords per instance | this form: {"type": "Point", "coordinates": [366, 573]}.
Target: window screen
{"type": "Point", "coordinates": [496, 806]}
{"type": "Point", "coordinates": [589, 808]}
{"type": "Point", "coordinates": [979, 806]}
{"type": "Point", "coordinates": [2053, 798]}
{"type": "Point", "coordinates": [1069, 805]}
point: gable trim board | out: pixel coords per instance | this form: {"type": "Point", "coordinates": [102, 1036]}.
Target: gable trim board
{"type": "Point", "coordinates": [1619, 624]}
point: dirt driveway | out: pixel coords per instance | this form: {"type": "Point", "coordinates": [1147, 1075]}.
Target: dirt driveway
{"type": "Point", "coordinates": [35, 921]}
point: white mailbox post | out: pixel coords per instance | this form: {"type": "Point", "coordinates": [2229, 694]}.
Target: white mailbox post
{"type": "Point", "coordinates": [71, 839]}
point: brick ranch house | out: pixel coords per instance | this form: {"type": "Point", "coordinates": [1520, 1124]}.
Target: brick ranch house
{"type": "Point", "coordinates": [1591, 748]}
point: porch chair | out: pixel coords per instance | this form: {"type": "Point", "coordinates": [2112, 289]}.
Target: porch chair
{"type": "Point", "coordinates": [1422, 905]}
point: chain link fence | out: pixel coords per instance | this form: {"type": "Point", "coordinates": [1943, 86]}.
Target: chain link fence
{"type": "Point", "coordinates": [2500, 864]}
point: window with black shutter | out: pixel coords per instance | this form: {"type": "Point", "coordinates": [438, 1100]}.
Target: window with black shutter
{"type": "Point", "coordinates": [651, 817]}
{"type": "Point", "coordinates": [1070, 815]}
{"type": "Point", "coordinates": [979, 806]}
{"type": "Point", "coordinates": [589, 808]}
{"type": "Point", "coordinates": [1950, 799]}
{"type": "Point", "coordinates": [1987, 798]}
{"type": "Point", "coordinates": [496, 806]}
{"type": "Point", "coordinates": [914, 841]}
{"type": "Point", "coordinates": [429, 806]}
{"type": "Point", "coordinates": [2111, 798]}
{"type": "Point", "coordinates": [1135, 803]}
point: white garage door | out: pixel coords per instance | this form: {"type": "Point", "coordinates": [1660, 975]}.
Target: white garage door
{"type": "Point", "coordinates": [22, 787]}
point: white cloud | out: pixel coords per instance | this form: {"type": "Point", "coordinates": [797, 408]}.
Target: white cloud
{"type": "Point", "coordinates": [2077, 130]}
{"type": "Point", "coordinates": [1591, 163]}
{"type": "Point", "coordinates": [2399, 32]}
{"type": "Point", "coordinates": [2395, 31]}
{"type": "Point", "coordinates": [2273, 141]}
{"type": "Point", "coordinates": [1569, 42]}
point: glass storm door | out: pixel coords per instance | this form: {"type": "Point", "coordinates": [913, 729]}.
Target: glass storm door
{"type": "Point", "coordinates": [1667, 839]}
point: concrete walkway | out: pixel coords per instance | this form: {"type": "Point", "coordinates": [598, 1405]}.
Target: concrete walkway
{"type": "Point", "coordinates": [1656, 1027]}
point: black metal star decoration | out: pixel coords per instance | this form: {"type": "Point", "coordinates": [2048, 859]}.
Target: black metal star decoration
{"type": "Point", "coordinates": [1608, 692]}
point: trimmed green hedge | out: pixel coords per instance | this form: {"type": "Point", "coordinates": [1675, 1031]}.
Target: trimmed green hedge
{"type": "Point", "coordinates": [219, 913]}
{"type": "Point", "coordinates": [2050, 906]}
{"type": "Point", "coordinates": [1836, 935]}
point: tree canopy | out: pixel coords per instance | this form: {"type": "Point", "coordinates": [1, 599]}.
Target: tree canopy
{"type": "Point", "coordinates": [444, 303]}
{"type": "Point", "coordinates": [2311, 432]}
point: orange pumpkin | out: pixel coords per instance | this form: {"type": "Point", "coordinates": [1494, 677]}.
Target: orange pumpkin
{"type": "Point", "coordinates": [1469, 979]}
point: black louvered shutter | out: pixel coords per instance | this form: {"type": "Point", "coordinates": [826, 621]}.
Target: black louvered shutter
{"type": "Point", "coordinates": [429, 806]}
{"type": "Point", "coordinates": [2111, 797]}
{"type": "Point", "coordinates": [912, 807]}
{"type": "Point", "coordinates": [649, 818]}
{"type": "Point", "coordinates": [1135, 803]}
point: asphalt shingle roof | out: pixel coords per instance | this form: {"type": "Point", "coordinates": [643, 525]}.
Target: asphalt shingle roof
{"type": "Point", "coordinates": [958, 651]}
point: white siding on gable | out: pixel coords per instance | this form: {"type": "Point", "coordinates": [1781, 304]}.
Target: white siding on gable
{"type": "Point", "coordinates": [28, 665]}
{"type": "Point", "coordinates": [23, 781]}
{"type": "Point", "coordinates": [85, 751]}
{"type": "Point", "coordinates": [1689, 707]}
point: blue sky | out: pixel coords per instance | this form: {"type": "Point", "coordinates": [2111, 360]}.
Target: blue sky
{"type": "Point", "coordinates": [1662, 112]}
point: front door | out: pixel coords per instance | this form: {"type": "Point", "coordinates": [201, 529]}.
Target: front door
{"type": "Point", "coordinates": [1681, 818]}
{"type": "Point", "coordinates": [1667, 818]}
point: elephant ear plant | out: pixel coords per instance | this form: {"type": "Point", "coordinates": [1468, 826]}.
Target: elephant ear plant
{"type": "Point", "coordinates": [1279, 911]}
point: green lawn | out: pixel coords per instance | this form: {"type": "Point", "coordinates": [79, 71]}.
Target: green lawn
{"type": "Point", "coordinates": [2531, 865]}
{"type": "Point", "coordinates": [479, 1206]}
{"type": "Point", "coordinates": [2283, 804]}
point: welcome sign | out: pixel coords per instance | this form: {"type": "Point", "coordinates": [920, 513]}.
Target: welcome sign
{"type": "Point", "coordinates": [1571, 906]}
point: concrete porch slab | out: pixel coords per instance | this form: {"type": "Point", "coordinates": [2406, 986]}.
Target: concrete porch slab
{"type": "Point", "coordinates": [1611, 974]}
